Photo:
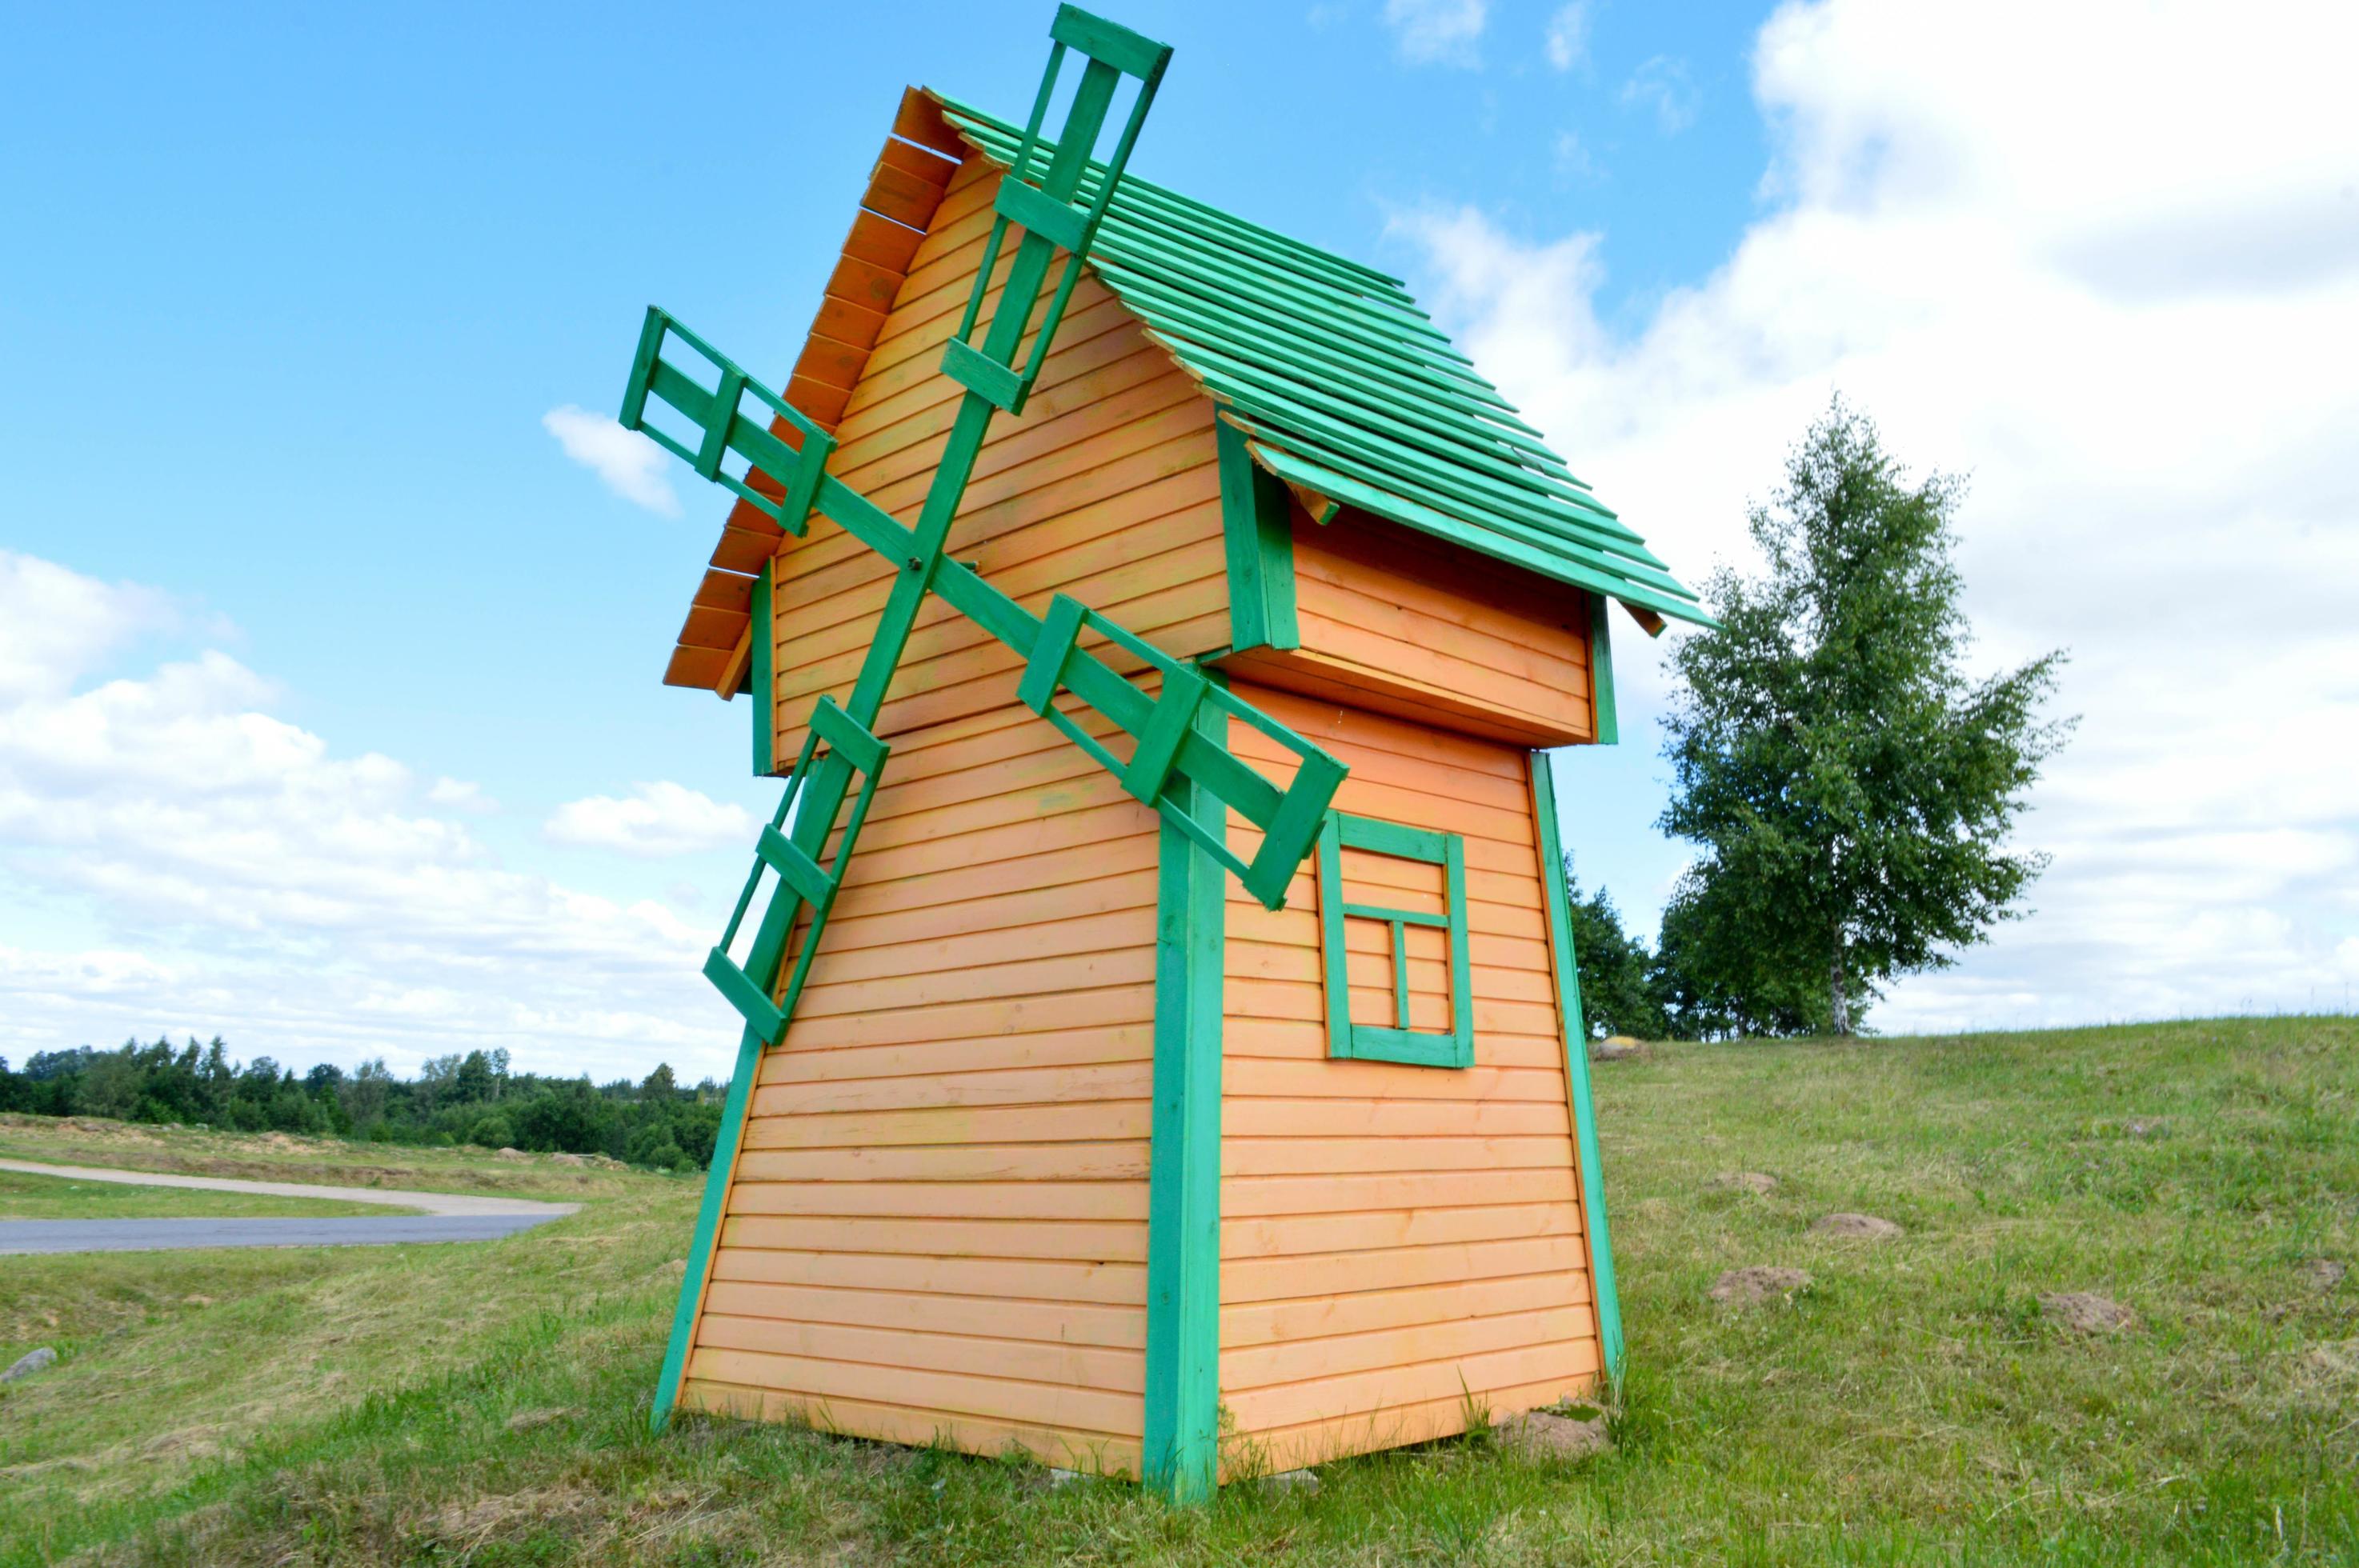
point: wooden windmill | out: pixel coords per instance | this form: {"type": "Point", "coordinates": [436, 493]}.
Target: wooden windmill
{"type": "Point", "coordinates": [973, 1169]}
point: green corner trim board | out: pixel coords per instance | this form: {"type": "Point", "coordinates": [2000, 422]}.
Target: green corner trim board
{"type": "Point", "coordinates": [1180, 1451]}
{"type": "Point", "coordinates": [1576, 1069]}
{"type": "Point", "coordinates": [1341, 384]}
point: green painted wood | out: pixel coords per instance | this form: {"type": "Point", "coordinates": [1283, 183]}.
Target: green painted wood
{"type": "Point", "coordinates": [1257, 536]}
{"type": "Point", "coordinates": [1546, 560]}
{"type": "Point", "coordinates": [1182, 1403]}
{"type": "Point", "coordinates": [717, 1177]}
{"type": "Point", "coordinates": [1396, 1041]}
{"type": "Point", "coordinates": [761, 674]}
{"type": "Point", "coordinates": [1339, 367]}
{"type": "Point", "coordinates": [1601, 673]}
{"type": "Point", "coordinates": [1576, 1070]}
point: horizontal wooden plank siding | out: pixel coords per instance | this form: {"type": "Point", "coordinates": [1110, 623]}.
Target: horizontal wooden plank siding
{"type": "Point", "coordinates": [1397, 1240]}
{"type": "Point", "coordinates": [1106, 489]}
{"type": "Point", "coordinates": [1400, 624]}
{"type": "Point", "coordinates": [938, 1225]}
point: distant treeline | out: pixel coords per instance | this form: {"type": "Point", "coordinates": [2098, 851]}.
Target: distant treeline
{"type": "Point", "coordinates": [454, 1100]}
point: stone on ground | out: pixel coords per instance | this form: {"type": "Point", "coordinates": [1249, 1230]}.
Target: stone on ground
{"type": "Point", "coordinates": [2086, 1312]}
{"type": "Point", "coordinates": [1290, 1481]}
{"type": "Point", "coordinates": [1760, 1182]}
{"type": "Point", "coordinates": [1615, 1048]}
{"type": "Point", "coordinates": [1757, 1283]}
{"type": "Point", "coordinates": [1856, 1226]}
{"type": "Point", "coordinates": [2323, 1273]}
{"type": "Point", "coordinates": [510, 1154]}
{"type": "Point", "coordinates": [30, 1362]}
{"type": "Point", "coordinates": [1548, 1434]}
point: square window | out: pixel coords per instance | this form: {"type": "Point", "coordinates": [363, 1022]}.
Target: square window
{"type": "Point", "coordinates": [1392, 927]}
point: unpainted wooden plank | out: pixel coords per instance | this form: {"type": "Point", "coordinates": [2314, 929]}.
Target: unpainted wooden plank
{"type": "Point", "coordinates": [1259, 1326]}
{"type": "Point", "coordinates": [978, 1280]}
{"type": "Point", "coordinates": [1069, 1323]}
{"type": "Point", "coordinates": [1043, 1404]}
{"type": "Point", "coordinates": [1095, 1161]}
{"type": "Point", "coordinates": [1248, 1280]}
{"type": "Point", "coordinates": [1086, 1452]}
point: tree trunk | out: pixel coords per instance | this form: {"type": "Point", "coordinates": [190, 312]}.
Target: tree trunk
{"type": "Point", "coordinates": [1835, 981]}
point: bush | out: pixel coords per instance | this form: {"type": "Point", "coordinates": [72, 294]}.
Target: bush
{"type": "Point", "coordinates": [493, 1132]}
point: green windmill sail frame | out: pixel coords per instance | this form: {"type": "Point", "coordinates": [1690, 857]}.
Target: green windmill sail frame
{"type": "Point", "coordinates": [1174, 759]}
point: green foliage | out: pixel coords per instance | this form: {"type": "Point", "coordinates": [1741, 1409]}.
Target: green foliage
{"type": "Point", "coordinates": [1620, 991]}
{"type": "Point", "coordinates": [457, 1098]}
{"type": "Point", "coordinates": [1851, 787]}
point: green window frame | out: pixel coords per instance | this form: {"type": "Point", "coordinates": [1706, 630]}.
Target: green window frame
{"type": "Point", "coordinates": [1395, 1041]}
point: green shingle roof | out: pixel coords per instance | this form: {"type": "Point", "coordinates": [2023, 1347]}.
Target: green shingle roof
{"type": "Point", "coordinates": [1345, 387]}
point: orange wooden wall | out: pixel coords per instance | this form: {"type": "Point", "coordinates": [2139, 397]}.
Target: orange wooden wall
{"type": "Point", "coordinates": [1106, 488]}
{"type": "Point", "coordinates": [1398, 622]}
{"type": "Point", "coordinates": [1395, 1238]}
{"type": "Point", "coordinates": [938, 1224]}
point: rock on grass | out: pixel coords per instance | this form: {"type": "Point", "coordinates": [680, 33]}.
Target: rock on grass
{"type": "Point", "coordinates": [1759, 1183]}
{"type": "Point", "coordinates": [30, 1362]}
{"type": "Point", "coordinates": [1615, 1048]}
{"type": "Point", "coordinates": [2086, 1312]}
{"type": "Point", "coordinates": [1758, 1282]}
{"type": "Point", "coordinates": [1855, 1228]}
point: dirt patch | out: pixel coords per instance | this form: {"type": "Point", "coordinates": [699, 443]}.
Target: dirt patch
{"type": "Point", "coordinates": [2086, 1312]}
{"type": "Point", "coordinates": [1758, 1282]}
{"type": "Point", "coordinates": [1551, 1434]}
{"type": "Point", "coordinates": [2338, 1359]}
{"type": "Point", "coordinates": [2324, 1274]}
{"type": "Point", "coordinates": [1761, 1184]}
{"type": "Point", "coordinates": [1855, 1228]}
{"type": "Point", "coordinates": [469, 1525]}
{"type": "Point", "coordinates": [192, 1444]}
{"type": "Point", "coordinates": [533, 1421]}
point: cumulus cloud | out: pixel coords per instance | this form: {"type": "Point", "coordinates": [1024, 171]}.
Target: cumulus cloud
{"type": "Point", "coordinates": [59, 624]}
{"type": "Point", "coordinates": [248, 878]}
{"type": "Point", "coordinates": [1568, 35]}
{"type": "Point", "coordinates": [625, 461]}
{"type": "Point", "coordinates": [1437, 32]}
{"type": "Point", "coordinates": [659, 818]}
{"type": "Point", "coordinates": [2035, 265]}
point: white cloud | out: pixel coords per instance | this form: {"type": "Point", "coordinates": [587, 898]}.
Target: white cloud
{"type": "Point", "coordinates": [1573, 159]}
{"type": "Point", "coordinates": [460, 794]}
{"type": "Point", "coordinates": [248, 878]}
{"type": "Point", "coordinates": [1664, 85]}
{"type": "Point", "coordinates": [2036, 266]}
{"type": "Point", "coordinates": [625, 461]}
{"type": "Point", "coordinates": [59, 624]}
{"type": "Point", "coordinates": [1568, 35]}
{"type": "Point", "coordinates": [660, 818]}
{"type": "Point", "coordinates": [1437, 32]}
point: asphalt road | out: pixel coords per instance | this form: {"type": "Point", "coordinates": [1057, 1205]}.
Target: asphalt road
{"type": "Point", "coordinates": [450, 1216]}
{"type": "Point", "coordinates": [152, 1235]}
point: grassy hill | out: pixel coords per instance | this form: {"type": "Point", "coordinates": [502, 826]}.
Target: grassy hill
{"type": "Point", "coordinates": [1914, 1403]}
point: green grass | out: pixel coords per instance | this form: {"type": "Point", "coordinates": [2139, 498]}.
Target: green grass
{"type": "Point", "coordinates": [26, 1196]}
{"type": "Point", "coordinates": [1911, 1406]}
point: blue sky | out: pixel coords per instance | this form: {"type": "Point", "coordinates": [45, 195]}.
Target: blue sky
{"type": "Point", "coordinates": [292, 290]}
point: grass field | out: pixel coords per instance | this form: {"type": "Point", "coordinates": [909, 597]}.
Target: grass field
{"type": "Point", "coordinates": [26, 1196]}
{"type": "Point", "coordinates": [487, 1404]}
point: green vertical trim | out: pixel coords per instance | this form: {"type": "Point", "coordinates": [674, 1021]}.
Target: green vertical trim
{"type": "Point", "coordinates": [1257, 531]}
{"type": "Point", "coordinates": [717, 1176]}
{"type": "Point", "coordinates": [1181, 1405]}
{"type": "Point", "coordinates": [1576, 1069]}
{"type": "Point", "coordinates": [761, 674]}
{"type": "Point", "coordinates": [1601, 671]}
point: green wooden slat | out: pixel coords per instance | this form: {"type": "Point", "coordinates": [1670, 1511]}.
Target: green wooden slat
{"type": "Point", "coordinates": [1257, 541]}
{"type": "Point", "coordinates": [1334, 959]}
{"type": "Point", "coordinates": [717, 1176]}
{"type": "Point", "coordinates": [1278, 443]}
{"type": "Point", "coordinates": [1393, 838]}
{"type": "Point", "coordinates": [1180, 1414]}
{"type": "Point", "coordinates": [1576, 1071]}
{"type": "Point", "coordinates": [752, 1003]}
{"type": "Point", "coordinates": [1488, 541]}
{"type": "Point", "coordinates": [1460, 443]}
{"type": "Point", "coordinates": [1601, 673]}
{"type": "Point", "coordinates": [760, 676]}
{"type": "Point", "coordinates": [1464, 476]}
{"type": "Point", "coordinates": [1322, 356]}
